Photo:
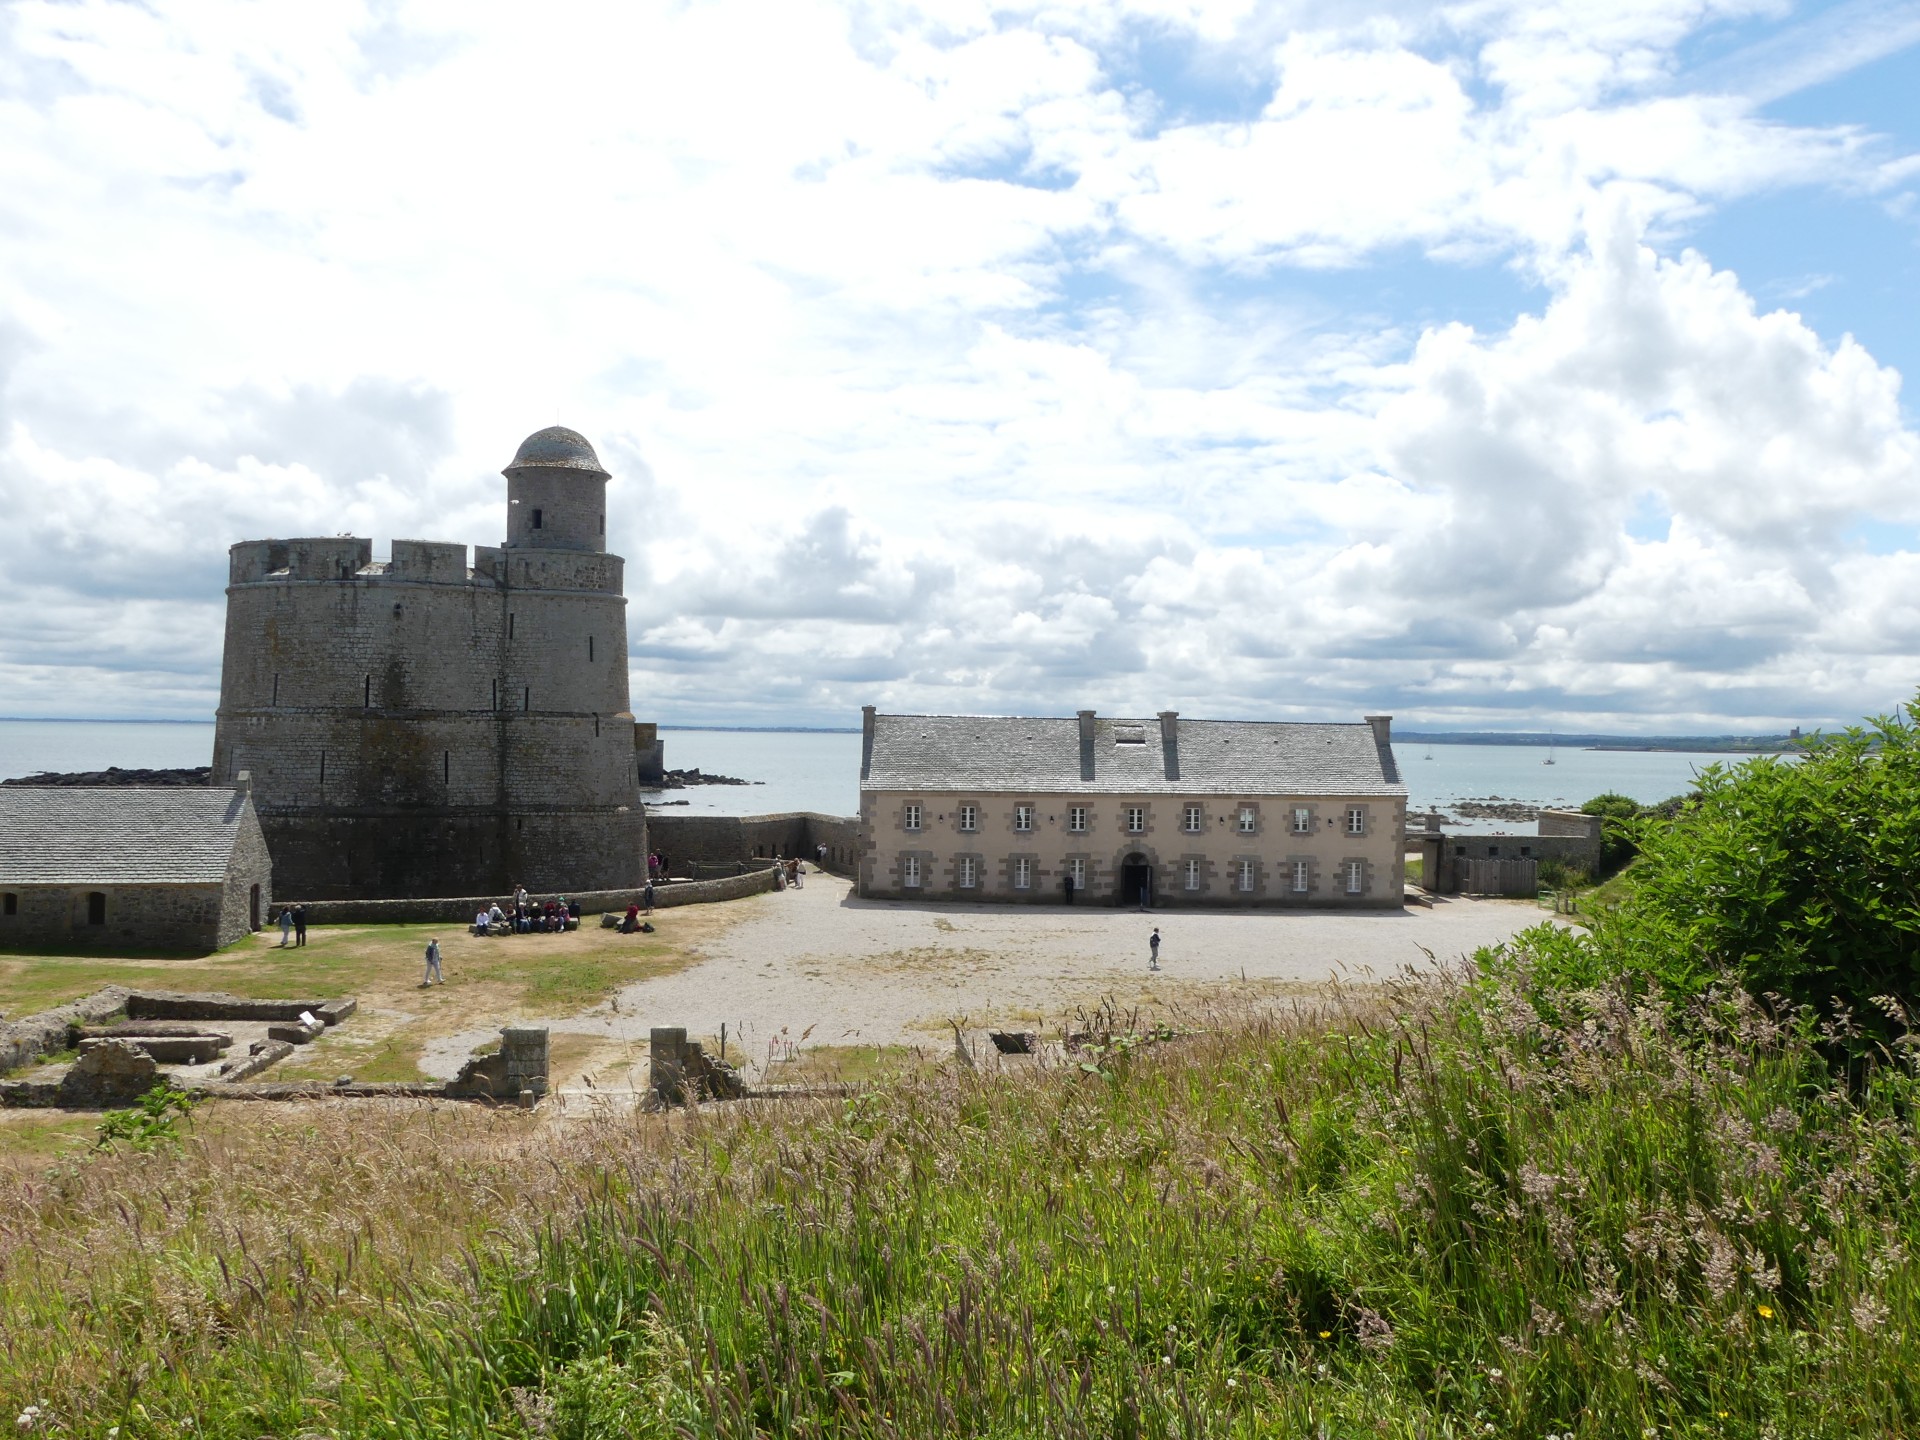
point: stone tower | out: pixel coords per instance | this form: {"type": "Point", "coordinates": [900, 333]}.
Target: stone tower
{"type": "Point", "coordinates": [424, 727]}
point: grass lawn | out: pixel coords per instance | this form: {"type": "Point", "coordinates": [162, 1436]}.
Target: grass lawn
{"type": "Point", "coordinates": [490, 982]}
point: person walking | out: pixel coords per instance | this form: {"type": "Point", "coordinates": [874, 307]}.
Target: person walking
{"type": "Point", "coordinates": [1066, 886]}
{"type": "Point", "coordinates": [648, 893]}
{"type": "Point", "coordinates": [299, 925]}
{"type": "Point", "coordinates": [433, 965]}
{"type": "Point", "coordinates": [286, 928]}
{"type": "Point", "coordinates": [1153, 950]}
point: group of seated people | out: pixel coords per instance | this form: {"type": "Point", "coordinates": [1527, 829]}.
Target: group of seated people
{"type": "Point", "coordinates": [525, 916]}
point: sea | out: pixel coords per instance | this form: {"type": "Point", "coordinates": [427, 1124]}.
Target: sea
{"type": "Point", "coordinates": [820, 770]}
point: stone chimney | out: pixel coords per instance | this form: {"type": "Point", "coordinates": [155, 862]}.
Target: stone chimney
{"type": "Point", "coordinates": [1382, 729]}
{"type": "Point", "coordinates": [1170, 742]}
{"type": "Point", "coordinates": [866, 740]}
{"type": "Point", "coordinates": [243, 783]}
{"type": "Point", "coordinates": [1086, 745]}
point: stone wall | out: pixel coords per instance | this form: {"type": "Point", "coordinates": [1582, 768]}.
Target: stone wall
{"type": "Point", "coordinates": [724, 839]}
{"type": "Point", "coordinates": [185, 918]}
{"type": "Point", "coordinates": [25, 1040]}
{"type": "Point", "coordinates": [461, 910]}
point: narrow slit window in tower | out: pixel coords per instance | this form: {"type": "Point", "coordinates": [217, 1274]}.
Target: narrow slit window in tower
{"type": "Point", "coordinates": [536, 517]}
{"type": "Point", "coordinates": [446, 766]}
{"type": "Point", "coordinates": [596, 727]}
{"type": "Point", "coordinates": [366, 695]}
{"type": "Point", "coordinates": [276, 687]}
{"type": "Point", "coordinates": [496, 692]}
{"type": "Point", "coordinates": [603, 524]}
{"type": "Point", "coordinates": [323, 767]}
{"type": "Point", "coordinates": [526, 697]}
{"type": "Point", "coordinates": [509, 624]}
{"type": "Point", "coordinates": [589, 648]}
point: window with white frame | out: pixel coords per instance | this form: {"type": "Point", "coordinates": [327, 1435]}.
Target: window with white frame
{"type": "Point", "coordinates": [968, 872]}
{"type": "Point", "coordinates": [969, 817]}
{"type": "Point", "coordinates": [910, 872]}
{"type": "Point", "coordinates": [1195, 818]}
{"type": "Point", "coordinates": [1023, 817]}
{"type": "Point", "coordinates": [1249, 819]}
{"type": "Point", "coordinates": [1246, 877]}
{"type": "Point", "coordinates": [1356, 820]}
{"type": "Point", "coordinates": [911, 817]}
{"type": "Point", "coordinates": [1078, 870]}
{"type": "Point", "coordinates": [1023, 873]}
{"type": "Point", "coordinates": [1302, 820]}
{"type": "Point", "coordinates": [1193, 874]}
{"type": "Point", "coordinates": [1302, 877]}
{"type": "Point", "coordinates": [1356, 876]}
{"type": "Point", "coordinates": [1136, 819]}
{"type": "Point", "coordinates": [1077, 817]}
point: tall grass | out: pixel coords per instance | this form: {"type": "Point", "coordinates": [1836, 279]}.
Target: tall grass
{"type": "Point", "coordinates": [1423, 1212]}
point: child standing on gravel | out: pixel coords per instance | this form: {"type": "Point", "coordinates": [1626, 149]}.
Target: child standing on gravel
{"type": "Point", "coordinates": [433, 965]}
{"type": "Point", "coordinates": [1153, 950]}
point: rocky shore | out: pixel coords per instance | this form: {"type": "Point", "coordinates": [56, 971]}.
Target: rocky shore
{"type": "Point", "coordinates": [113, 775]}
{"type": "Point", "coordinates": [682, 779]}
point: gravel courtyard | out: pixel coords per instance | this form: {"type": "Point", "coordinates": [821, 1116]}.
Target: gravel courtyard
{"type": "Point", "coordinates": [842, 971]}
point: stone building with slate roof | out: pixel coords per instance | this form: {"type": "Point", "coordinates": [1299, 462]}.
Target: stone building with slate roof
{"type": "Point", "coordinates": [1193, 812]}
{"type": "Point", "coordinates": [129, 869]}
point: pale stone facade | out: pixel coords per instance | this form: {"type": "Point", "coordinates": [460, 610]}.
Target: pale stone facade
{"type": "Point", "coordinates": [1213, 813]}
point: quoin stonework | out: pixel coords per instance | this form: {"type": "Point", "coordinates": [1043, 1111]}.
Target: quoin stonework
{"type": "Point", "coordinates": [432, 724]}
{"type": "Point", "coordinates": [1178, 812]}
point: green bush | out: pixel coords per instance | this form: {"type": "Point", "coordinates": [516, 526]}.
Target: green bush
{"type": "Point", "coordinates": [155, 1121]}
{"type": "Point", "coordinates": [1797, 879]}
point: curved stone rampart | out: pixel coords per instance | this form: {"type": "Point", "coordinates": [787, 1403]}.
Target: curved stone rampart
{"type": "Point", "coordinates": [460, 911]}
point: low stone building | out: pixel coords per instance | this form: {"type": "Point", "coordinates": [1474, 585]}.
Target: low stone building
{"type": "Point", "coordinates": [131, 869]}
{"type": "Point", "coordinates": [1567, 838]}
{"type": "Point", "coordinates": [1192, 812]}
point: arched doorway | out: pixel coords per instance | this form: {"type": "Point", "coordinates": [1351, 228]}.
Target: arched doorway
{"type": "Point", "coordinates": [1136, 881]}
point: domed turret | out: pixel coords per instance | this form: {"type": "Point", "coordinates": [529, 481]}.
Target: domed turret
{"type": "Point", "coordinates": [556, 493]}
{"type": "Point", "coordinates": [555, 448]}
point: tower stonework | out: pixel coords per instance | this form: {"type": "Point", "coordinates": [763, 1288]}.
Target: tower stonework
{"type": "Point", "coordinates": [426, 726]}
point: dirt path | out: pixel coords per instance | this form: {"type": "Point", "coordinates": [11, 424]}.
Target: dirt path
{"type": "Point", "coordinates": [846, 971]}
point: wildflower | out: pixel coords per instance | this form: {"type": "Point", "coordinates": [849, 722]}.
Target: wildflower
{"type": "Point", "coordinates": [1232, 1384]}
{"type": "Point", "coordinates": [1720, 1414]}
{"type": "Point", "coordinates": [1496, 1375]}
{"type": "Point", "coordinates": [1765, 1312]}
{"type": "Point", "coordinates": [1326, 1334]}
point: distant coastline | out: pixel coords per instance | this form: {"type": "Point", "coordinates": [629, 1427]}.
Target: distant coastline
{"type": "Point", "coordinates": [1676, 744]}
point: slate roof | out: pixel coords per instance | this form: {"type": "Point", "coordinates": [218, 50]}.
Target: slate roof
{"type": "Point", "coordinates": [116, 835]}
{"type": "Point", "coordinates": [1000, 753]}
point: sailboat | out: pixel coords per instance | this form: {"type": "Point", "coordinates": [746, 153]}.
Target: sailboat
{"type": "Point", "coordinates": [1549, 759]}
{"type": "Point", "coordinates": [1429, 749]}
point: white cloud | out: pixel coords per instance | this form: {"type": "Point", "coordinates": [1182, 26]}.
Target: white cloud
{"type": "Point", "coordinates": [939, 364]}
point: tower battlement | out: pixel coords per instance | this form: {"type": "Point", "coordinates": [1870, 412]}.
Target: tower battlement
{"type": "Point", "coordinates": [338, 558]}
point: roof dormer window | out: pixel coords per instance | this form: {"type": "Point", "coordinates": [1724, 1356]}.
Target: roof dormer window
{"type": "Point", "coordinates": [1129, 734]}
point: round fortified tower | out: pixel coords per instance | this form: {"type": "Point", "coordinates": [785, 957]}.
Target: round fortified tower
{"type": "Point", "coordinates": [426, 727]}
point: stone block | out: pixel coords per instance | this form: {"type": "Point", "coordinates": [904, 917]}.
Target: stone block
{"type": "Point", "coordinates": [109, 1072]}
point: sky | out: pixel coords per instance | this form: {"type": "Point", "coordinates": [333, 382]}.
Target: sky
{"type": "Point", "coordinates": [1493, 365]}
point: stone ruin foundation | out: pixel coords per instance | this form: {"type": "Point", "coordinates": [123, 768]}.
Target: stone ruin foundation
{"type": "Point", "coordinates": [679, 1069]}
{"type": "Point", "coordinates": [126, 1041]}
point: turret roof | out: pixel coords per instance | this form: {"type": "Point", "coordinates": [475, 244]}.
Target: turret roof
{"type": "Point", "coordinates": [556, 448]}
